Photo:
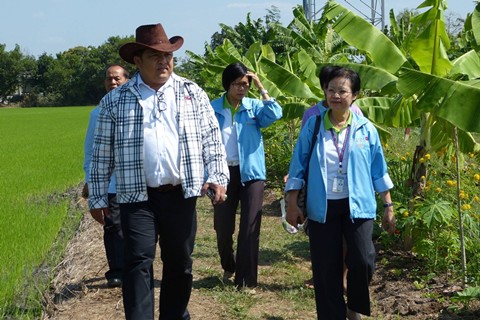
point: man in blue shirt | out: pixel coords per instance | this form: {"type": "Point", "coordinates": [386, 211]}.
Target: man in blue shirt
{"type": "Point", "coordinates": [115, 76]}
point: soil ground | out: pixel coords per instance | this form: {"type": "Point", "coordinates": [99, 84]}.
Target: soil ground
{"type": "Point", "coordinates": [79, 290]}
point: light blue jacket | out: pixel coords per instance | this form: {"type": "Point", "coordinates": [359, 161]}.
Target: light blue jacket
{"type": "Point", "coordinates": [252, 115]}
{"type": "Point", "coordinates": [366, 172]}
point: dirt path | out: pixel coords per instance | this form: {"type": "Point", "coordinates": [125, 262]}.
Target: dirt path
{"type": "Point", "coordinates": [80, 286]}
{"type": "Point", "coordinates": [79, 290]}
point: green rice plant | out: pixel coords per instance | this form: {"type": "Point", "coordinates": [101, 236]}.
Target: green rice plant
{"type": "Point", "coordinates": [41, 157]}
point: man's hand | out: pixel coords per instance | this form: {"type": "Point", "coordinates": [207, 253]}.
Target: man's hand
{"type": "Point", "coordinates": [100, 214]}
{"type": "Point", "coordinates": [85, 191]}
{"type": "Point", "coordinates": [219, 191]}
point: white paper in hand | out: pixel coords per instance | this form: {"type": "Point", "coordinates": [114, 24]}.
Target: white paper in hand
{"type": "Point", "coordinates": [288, 227]}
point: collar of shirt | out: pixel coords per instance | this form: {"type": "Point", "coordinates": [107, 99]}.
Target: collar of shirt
{"type": "Point", "coordinates": [146, 91]}
{"type": "Point", "coordinates": [227, 105]}
{"type": "Point", "coordinates": [327, 124]}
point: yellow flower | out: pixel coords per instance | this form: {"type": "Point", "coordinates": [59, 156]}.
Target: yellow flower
{"type": "Point", "coordinates": [406, 213]}
{"type": "Point", "coordinates": [422, 177]}
{"type": "Point", "coordinates": [403, 159]}
{"type": "Point", "coordinates": [471, 155]}
{"type": "Point", "coordinates": [386, 145]}
{"type": "Point", "coordinates": [476, 198]}
{"type": "Point", "coordinates": [427, 156]}
{"type": "Point", "coordinates": [476, 177]}
{"type": "Point", "coordinates": [464, 206]}
{"type": "Point", "coordinates": [427, 188]}
{"type": "Point", "coordinates": [421, 160]}
{"type": "Point", "coordinates": [462, 195]}
{"type": "Point", "coordinates": [438, 190]}
{"type": "Point", "coordinates": [450, 183]}
{"type": "Point", "coordinates": [407, 154]}
{"type": "Point", "coordinates": [469, 206]}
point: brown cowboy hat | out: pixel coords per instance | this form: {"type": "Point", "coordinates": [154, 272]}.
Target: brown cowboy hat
{"type": "Point", "coordinates": [150, 36]}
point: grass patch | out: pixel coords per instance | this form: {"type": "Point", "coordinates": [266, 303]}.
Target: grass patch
{"type": "Point", "coordinates": [42, 156]}
{"type": "Point", "coordinates": [283, 267]}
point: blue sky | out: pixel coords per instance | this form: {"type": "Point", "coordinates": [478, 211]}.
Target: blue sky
{"type": "Point", "coordinates": [53, 26]}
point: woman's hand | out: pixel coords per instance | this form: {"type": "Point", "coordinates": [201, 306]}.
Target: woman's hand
{"type": "Point", "coordinates": [258, 85]}
{"type": "Point", "coordinates": [256, 80]}
{"type": "Point", "coordinates": [294, 214]}
{"type": "Point", "coordinates": [388, 221]}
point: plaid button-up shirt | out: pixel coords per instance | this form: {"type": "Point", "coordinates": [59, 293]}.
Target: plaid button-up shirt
{"type": "Point", "coordinates": [118, 144]}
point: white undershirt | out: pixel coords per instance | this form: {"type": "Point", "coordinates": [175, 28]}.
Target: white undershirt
{"type": "Point", "coordinates": [160, 128]}
{"type": "Point", "coordinates": [333, 163]}
{"type": "Point", "coordinates": [229, 136]}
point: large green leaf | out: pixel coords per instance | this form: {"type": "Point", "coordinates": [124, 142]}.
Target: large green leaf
{"type": "Point", "coordinates": [390, 112]}
{"type": "Point", "coordinates": [286, 81]}
{"type": "Point", "coordinates": [293, 110]}
{"type": "Point", "coordinates": [476, 23]}
{"type": "Point", "coordinates": [253, 53]}
{"type": "Point", "coordinates": [429, 48]}
{"type": "Point", "coordinates": [468, 64]}
{"type": "Point", "coordinates": [372, 77]}
{"type": "Point", "coordinates": [308, 68]}
{"type": "Point", "coordinates": [455, 101]}
{"type": "Point", "coordinates": [364, 36]}
{"type": "Point", "coordinates": [228, 52]}
{"type": "Point", "coordinates": [442, 137]}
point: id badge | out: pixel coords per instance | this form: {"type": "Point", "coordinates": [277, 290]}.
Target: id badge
{"type": "Point", "coordinates": [338, 183]}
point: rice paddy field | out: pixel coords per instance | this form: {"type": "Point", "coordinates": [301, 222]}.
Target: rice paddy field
{"type": "Point", "coordinates": [41, 159]}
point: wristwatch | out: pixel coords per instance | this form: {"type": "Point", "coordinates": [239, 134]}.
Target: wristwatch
{"type": "Point", "coordinates": [386, 205]}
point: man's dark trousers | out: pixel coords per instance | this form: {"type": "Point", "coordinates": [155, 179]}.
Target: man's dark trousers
{"type": "Point", "coordinates": [169, 219]}
{"type": "Point", "coordinates": [113, 240]}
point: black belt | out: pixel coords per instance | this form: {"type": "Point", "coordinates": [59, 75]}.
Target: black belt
{"type": "Point", "coordinates": [165, 188]}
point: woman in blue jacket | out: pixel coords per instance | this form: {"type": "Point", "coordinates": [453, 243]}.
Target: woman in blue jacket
{"type": "Point", "coordinates": [241, 119]}
{"type": "Point", "coordinates": [346, 168]}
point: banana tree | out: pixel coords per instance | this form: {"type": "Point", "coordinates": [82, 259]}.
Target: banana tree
{"type": "Point", "coordinates": [429, 87]}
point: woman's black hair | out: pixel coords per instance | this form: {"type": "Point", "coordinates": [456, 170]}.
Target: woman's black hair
{"type": "Point", "coordinates": [234, 71]}
{"type": "Point", "coordinates": [324, 75]}
{"type": "Point", "coordinates": [345, 73]}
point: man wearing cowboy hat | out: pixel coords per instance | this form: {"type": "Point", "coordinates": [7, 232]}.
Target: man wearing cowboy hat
{"type": "Point", "coordinates": [160, 134]}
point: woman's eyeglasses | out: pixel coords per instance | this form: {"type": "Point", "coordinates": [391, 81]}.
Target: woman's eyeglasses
{"type": "Point", "coordinates": [243, 85]}
{"type": "Point", "coordinates": [341, 93]}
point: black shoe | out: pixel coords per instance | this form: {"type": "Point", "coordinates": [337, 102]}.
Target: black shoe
{"type": "Point", "coordinates": [114, 283]}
